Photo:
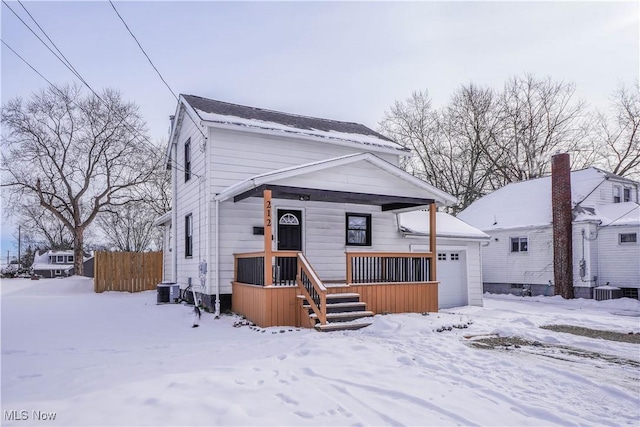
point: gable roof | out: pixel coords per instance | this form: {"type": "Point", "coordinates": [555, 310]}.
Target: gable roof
{"type": "Point", "coordinates": [528, 203]}
{"type": "Point", "coordinates": [247, 185]}
{"type": "Point", "coordinates": [259, 119]}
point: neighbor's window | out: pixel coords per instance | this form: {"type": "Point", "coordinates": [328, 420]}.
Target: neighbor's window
{"type": "Point", "coordinates": [628, 238]}
{"type": "Point", "coordinates": [188, 235]}
{"type": "Point", "coordinates": [519, 244]}
{"type": "Point", "coordinates": [60, 259]}
{"type": "Point", "coordinates": [69, 258]}
{"type": "Point", "coordinates": [187, 160]}
{"type": "Point", "coordinates": [626, 195]}
{"type": "Point", "coordinates": [358, 229]}
{"type": "Point", "coordinates": [617, 194]}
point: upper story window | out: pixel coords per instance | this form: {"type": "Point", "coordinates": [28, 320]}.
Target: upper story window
{"type": "Point", "coordinates": [60, 259]}
{"type": "Point", "coordinates": [187, 160]}
{"type": "Point", "coordinates": [519, 244]}
{"type": "Point", "coordinates": [358, 229]}
{"type": "Point", "coordinates": [617, 194]}
{"type": "Point", "coordinates": [627, 238]}
{"type": "Point", "coordinates": [69, 258]}
{"type": "Point", "coordinates": [626, 195]}
{"type": "Point", "coordinates": [188, 235]}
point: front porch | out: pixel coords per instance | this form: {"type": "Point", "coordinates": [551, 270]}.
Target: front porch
{"type": "Point", "coordinates": [281, 288]}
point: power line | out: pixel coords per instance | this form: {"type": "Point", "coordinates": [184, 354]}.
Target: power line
{"type": "Point", "coordinates": [154, 67]}
{"type": "Point", "coordinates": [133, 130]}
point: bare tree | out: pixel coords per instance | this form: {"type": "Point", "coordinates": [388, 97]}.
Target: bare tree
{"type": "Point", "coordinates": [131, 228]}
{"type": "Point", "coordinates": [619, 133]}
{"type": "Point", "coordinates": [44, 230]}
{"type": "Point", "coordinates": [73, 155]}
{"type": "Point", "coordinates": [540, 119]}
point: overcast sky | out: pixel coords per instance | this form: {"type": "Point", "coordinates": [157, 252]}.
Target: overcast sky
{"type": "Point", "coordinates": [341, 60]}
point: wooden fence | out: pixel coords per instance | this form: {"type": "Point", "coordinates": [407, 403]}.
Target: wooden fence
{"type": "Point", "coordinates": [127, 271]}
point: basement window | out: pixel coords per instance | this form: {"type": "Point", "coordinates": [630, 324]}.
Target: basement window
{"type": "Point", "coordinates": [358, 229]}
{"type": "Point", "coordinates": [626, 238]}
{"type": "Point", "coordinates": [519, 244]}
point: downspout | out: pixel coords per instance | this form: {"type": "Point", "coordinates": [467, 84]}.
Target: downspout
{"type": "Point", "coordinates": [217, 259]}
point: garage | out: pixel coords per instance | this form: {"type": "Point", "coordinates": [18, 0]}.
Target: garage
{"type": "Point", "coordinates": [458, 259]}
{"type": "Point", "coordinates": [452, 275]}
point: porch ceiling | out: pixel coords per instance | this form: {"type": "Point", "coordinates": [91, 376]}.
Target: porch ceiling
{"type": "Point", "coordinates": [386, 202]}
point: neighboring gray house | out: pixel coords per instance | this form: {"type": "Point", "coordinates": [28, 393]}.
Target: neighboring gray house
{"type": "Point", "coordinates": [51, 264]}
{"type": "Point", "coordinates": [334, 189]}
{"type": "Point", "coordinates": [606, 227]}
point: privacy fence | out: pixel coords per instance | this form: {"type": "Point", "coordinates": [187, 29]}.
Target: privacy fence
{"type": "Point", "coordinates": [127, 271]}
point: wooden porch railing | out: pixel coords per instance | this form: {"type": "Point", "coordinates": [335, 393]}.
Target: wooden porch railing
{"type": "Point", "coordinates": [312, 288]}
{"type": "Point", "coordinates": [389, 267]}
{"type": "Point", "coordinates": [249, 268]}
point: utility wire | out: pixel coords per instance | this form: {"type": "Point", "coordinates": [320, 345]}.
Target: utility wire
{"type": "Point", "coordinates": [155, 68]}
{"type": "Point", "coordinates": [143, 137]}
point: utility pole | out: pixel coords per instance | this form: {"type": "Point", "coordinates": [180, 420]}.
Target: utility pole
{"type": "Point", "coordinates": [19, 248]}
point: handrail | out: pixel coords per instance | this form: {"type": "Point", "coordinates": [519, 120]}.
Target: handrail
{"type": "Point", "coordinates": [312, 288]}
{"type": "Point", "coordinates": [248, 254]}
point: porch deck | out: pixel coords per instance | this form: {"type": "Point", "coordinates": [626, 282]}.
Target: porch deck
{"type": "Point", "coordinates": [385, 282]}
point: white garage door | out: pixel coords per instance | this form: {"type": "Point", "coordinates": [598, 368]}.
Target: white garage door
{"type": "Point", "coordinates": [452, 274]}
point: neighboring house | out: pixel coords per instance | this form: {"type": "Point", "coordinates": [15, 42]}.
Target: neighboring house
{"type": "Point", "coordinates": [606, 227]}
{"type": "Point", "coordinates": [262, 198]}
{"type": "Point", "coordinates": [59, 264]}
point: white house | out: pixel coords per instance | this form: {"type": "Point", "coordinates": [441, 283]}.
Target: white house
{"type": "Point", "coordinates": [53, 263]}
{"type": "Point", "coordinates": [263, 198]}
{"type": "Point", "coordinates": [518, 217]}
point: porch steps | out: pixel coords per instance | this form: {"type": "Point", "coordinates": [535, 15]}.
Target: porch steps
{"type": "Point", "coordinates": [345, 311]}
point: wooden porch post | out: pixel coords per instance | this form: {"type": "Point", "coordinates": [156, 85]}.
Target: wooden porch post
{"type": "Point", "coordinates": [268, 268]}
{"type": "Point", "coordinates": [432, 241]}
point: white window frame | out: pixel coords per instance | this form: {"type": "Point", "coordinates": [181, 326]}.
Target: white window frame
{"type": "Point", "coordinates": [520, 240]}
{"type": "Point", "coordinates": [59, 259]}
{"type": "Point", "coordinates": [617, 193]}
{"type": "Point", "coordinates": [57, 272]}
{"type": "Point", "coordinates": [69, 258]}
{"type": "Point", "coordinates": [620, 242]}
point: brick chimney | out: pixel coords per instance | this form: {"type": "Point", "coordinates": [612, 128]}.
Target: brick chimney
{"type": "Point", "coordinates": [562, 228]}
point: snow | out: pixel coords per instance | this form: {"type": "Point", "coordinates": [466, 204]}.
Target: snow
{"type": "Point", "coordinates": [527, 203]}
{"type": "Point", "coordinates": [121, 359]}
{"type": "Point", "coordinates": [626, 213]}
{"type": "Point", "coordinates": [369, 140]}
{"type": "Point", "coordinates": [417, 222]}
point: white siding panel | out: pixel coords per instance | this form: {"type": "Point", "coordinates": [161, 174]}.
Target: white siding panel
{"type": "Point", "coordinates": [619, 264]}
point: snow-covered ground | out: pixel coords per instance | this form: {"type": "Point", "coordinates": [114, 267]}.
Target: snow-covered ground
{"type": "Point", "coordinates": [120, 359]}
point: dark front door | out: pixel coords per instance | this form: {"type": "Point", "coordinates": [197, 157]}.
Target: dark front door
{"type": "Point", "coordinates": [289, 239]}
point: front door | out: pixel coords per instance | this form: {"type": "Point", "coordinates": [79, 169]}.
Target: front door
{"type": "Point", "coordinates": [289, 239]}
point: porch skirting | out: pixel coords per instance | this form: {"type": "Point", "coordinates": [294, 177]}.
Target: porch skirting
{"type": "Point", "coordinates": [279, 306]}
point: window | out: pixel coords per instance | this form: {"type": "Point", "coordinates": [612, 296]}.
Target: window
{"type": "Point", "coordinates": [519, 244]}
{"type": "Point", "coordinates": [188, 236]}
{"type": "Point", "coordinates": [169, 235]}
{"type": "Point", "coordinates": [187, 160]}
{"type": "Point", "coordinates": [626, 195]}
{"type": "Point", "coordinates": [57, 272]}
{"type": "Point", "coordinates": [442, 257]}
{"type": "Point", "coordinates": [358, 229]}
{"type": "Point", "coordinates": [627, 238]}
{"type": "Point", "coordinates": [617, 194]}
{"type": "Point", "coordinates": [455, 256]}
{"type": "Point", "coordinates": [60, 259]}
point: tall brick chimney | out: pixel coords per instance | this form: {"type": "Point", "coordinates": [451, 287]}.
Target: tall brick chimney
{"type": "Point", "coordinates": [562, 229]}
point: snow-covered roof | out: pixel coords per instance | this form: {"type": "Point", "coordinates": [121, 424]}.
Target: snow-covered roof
{"type": "Point", "coordinates": [528, 203]}
{"type": "Point", "coordinates": [627, 213]}
{"type": "Point", "coordinates": [41, 261]}
{"type": "Point", "coordinates": [440, 197]}
{"type": "Point", "coordinates": [225, 113]}
{"type": "Point", "coordinates": [417, 223]}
